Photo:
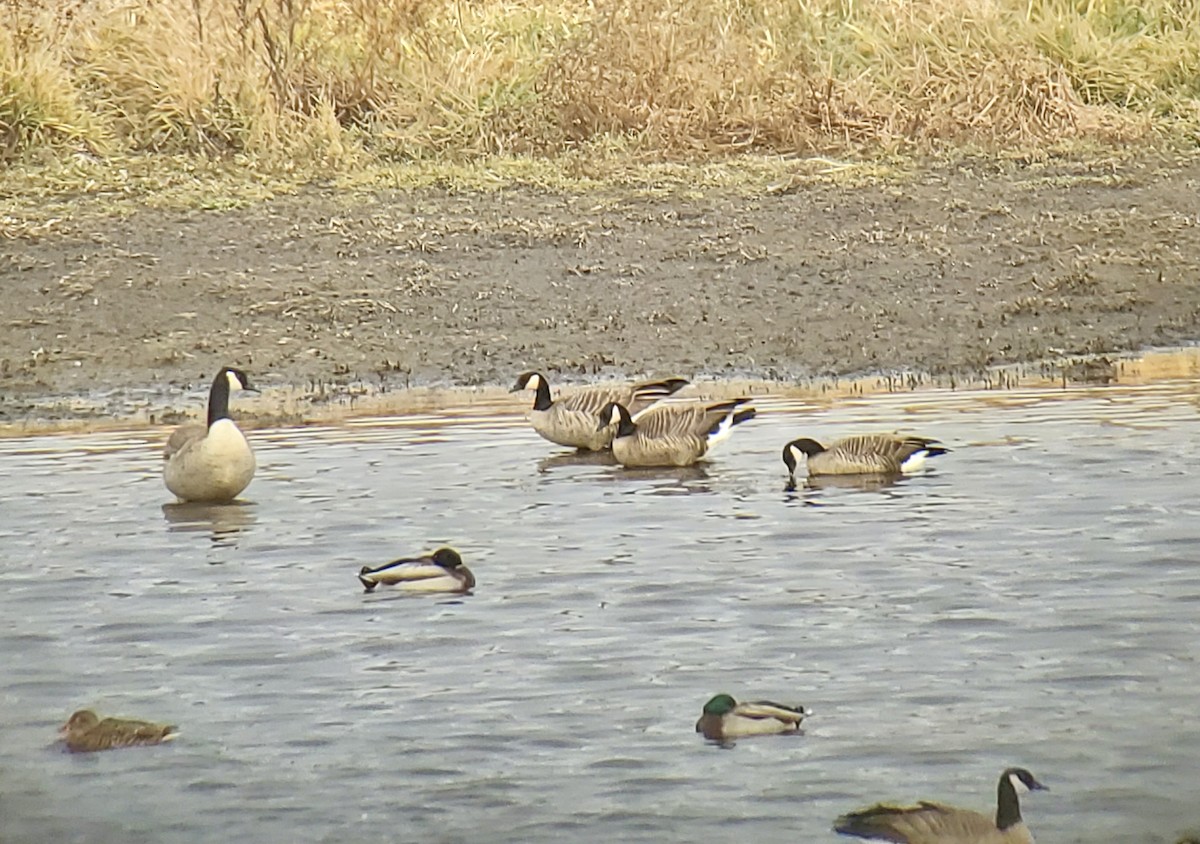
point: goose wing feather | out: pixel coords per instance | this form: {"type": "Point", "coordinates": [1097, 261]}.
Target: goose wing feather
{"type": "Point", "coordinates": [591, 400]}
{"type": "Point", "coordinates": [684, 419]}
{"type": "Point", "coordinates": [646, 393]}
{"type": "Point", "coordinates": [881, 453]}
{"type": "Point", "coordinates": [181, 438]}
{"type": "Point", "coordinates": [928, 823]}
{"type": "Point", "coordinates": [674, 433]}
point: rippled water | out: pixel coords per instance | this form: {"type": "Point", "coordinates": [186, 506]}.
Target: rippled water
{"type": "Point", "coordinates": [1034, 599]}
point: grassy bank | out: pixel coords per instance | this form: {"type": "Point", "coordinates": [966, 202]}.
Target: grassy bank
{"type": "Point", "coordinates": [335, 85]}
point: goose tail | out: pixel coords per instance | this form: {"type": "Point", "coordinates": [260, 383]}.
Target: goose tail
{"type": "Point", "coordinates": [874, 823]}
{"type": "Point", "coordinates": [652, 391]}
{"type": "Point", "coordinates": [916, 461]}
{"type": "Point", "coordinates": [731, 416]}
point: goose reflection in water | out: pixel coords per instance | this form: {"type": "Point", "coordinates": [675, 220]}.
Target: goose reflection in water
{"type": "Point", "coordinates": [566, 460]}
{"type": "Point", "coordinates": [222, 521]}
{"type": "Point", "coordinates": [672, 480]}
{"type": "Point", "coordinates": [858, 483]}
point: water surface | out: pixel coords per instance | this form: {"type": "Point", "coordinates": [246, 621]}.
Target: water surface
{"type": "Point", "coordinates": [1034, 599]}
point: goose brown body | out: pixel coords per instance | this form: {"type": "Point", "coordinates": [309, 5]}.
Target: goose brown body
{"type": "Point", "coordinates": [570, 419]}
{"type": "Point", "coordinates": [86, 732]}
{"type": "Point", "coordinates": [868, 454]}
{"type": "Point", "coordinates": [211, 462]}
{"type": "Point", "coordinates": [937, 823]}
{"type": "Point", "coordinates": [672, 434]}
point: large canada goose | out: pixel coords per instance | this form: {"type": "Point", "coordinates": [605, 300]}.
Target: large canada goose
{"type": "Point", "coordinates": [571, 420]}
{"type": "Point", "coordinates": [936, 823]}
{"type": "Point", "coordinates": [211, 462]}
{"type": "Point", "coordinates": [724, 718]}
{"type": "Point", "coordinates": [85, 732]}
{"type": "Point", "coordinates": [867, 454]}
{"type": "Point", "coordinates": [441, 571]}
{"type": "Point", "coordinates": [673, 434]}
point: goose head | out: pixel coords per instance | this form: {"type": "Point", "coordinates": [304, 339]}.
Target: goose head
{"type": "Point", "coordinates": [238, 380]}
{"type": "Point", "coordinates": [804, 446]}
{"type": "Point", "coordinates": [228, 379]}
{"type": "Point", "coordinates": [614, 413]}
{"type": "Point", "coordinates": [1022, 781]}
{"type": "Point", "coordinates": [528, 381]}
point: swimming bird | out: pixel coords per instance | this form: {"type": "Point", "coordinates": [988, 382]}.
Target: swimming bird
{"type": "Point", "coordinates": [571, 419]}
{"type": "Point", "coordinates": [724, 718]}
{"type": "Point", "coordinates": [211, 462]}
{"type": "Point", "coordinates": [936, 823]}
{"type": "Point", "coordinates": [673, 434]}
{"type": "Point", "coordinates": [85, 732]}
{"type": "Point", "coordinates": [441, 571]}
{"type": "Point", "coordinates": [866, 454]}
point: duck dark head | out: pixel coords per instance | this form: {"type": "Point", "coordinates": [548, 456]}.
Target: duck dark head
{"type": "Point", "coordinates": [447, 558]}
{"type": "Point", "coordinates": [721, 704]}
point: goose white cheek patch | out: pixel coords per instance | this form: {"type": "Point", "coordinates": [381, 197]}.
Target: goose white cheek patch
{"type": "Point", "coordinates": [1017, 784]}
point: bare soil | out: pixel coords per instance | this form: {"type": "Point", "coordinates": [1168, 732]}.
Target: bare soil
{"type": "Point", "coordinates": [952, 271]}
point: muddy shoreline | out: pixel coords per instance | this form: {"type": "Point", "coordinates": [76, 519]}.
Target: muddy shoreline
{"type": "Point", "coordinates": [333, 298]}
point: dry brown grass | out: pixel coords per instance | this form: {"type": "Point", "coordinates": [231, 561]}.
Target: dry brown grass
{"type": "Point", "coordinates": [337, 84]}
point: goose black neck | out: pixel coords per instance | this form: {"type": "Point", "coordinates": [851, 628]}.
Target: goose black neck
{"type": "Point", "coordinates": [810, 447]}
{"type": "Point", "coordinates": [218, 399]}
{"type": "Point", "coordinates": [625, 426]}
{"type": "Point", "coordinates": [541, 401]}
{"type": "Point", "coordinates": [1008, 806]}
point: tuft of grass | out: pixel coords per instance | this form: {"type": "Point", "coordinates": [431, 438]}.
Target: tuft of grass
{"type": "Point", "coordinates": [337, 85]}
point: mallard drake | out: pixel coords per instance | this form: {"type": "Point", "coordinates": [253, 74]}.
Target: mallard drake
{"type": "Point", "coordinates": [571, 420]}
{"type": "Point", "coordinates": [867, 454]}
{"type": "Point", "coordinates": [936, 823]}
{"type": "Point", "coordinates": [724, 718]}
{"type": "Point", "coordinates": [85, 732]}
{"type": "Point", "coordinates": [441, 571]}
{"type": "Point", "coordinates": [211, 462]}
{"type": "Point", "coordinates": [673, 434]}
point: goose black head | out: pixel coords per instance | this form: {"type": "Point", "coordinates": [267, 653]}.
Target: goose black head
{"type": "Point", "coordinates": [806, 446]}
{"type": "Point", "coordinates": [1022, 781]}
{"type": "Point", "coordinates": [528, 381]}
{"type": "Point", "coordinates": [614, 414]}
{"type": "Point", "coordinates": [237, 379]}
